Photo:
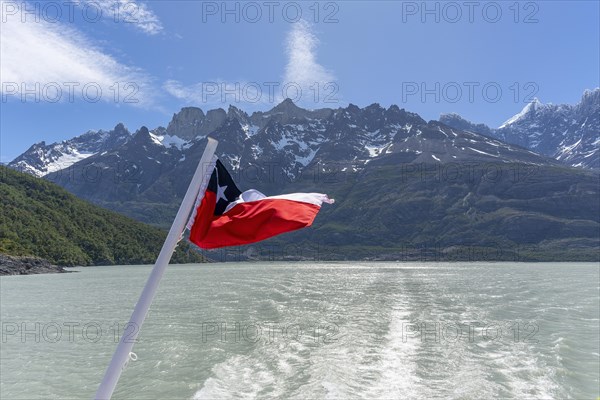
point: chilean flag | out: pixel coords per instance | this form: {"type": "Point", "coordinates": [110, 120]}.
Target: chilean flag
{"type": "Point", "coordinates": [225, 216]}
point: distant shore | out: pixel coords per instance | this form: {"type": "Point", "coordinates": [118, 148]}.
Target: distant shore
{"type": "Point", "coordinates": [13, 265]}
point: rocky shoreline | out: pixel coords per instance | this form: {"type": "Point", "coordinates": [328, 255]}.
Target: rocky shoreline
{"type": "Point", "coordinates": [12, 265]}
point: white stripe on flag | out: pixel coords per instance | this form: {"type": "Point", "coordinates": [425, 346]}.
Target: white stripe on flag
{"type": "Point", "coordinates": [254, 195]}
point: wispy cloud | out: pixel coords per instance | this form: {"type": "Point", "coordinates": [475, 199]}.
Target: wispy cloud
{"type": "Point", "coordinates": [43, 57]}
{"type": "Point", "coordinates": [181, 92]}
{"type": "Point", "coordinates": [304, 80]}
{"type": "Point", "coordinates": [302, 66]}
{"type": "Point", "coordinates": [131, 12]}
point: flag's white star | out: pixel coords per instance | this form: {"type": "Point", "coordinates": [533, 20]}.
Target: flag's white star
{"type": "Point", "coordinates": [221, 193]}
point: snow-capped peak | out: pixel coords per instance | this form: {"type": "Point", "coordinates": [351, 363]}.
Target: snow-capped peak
{"type": "Point", "coordinates": [42, 159]}
{"type": "Point", "coordinates": [535, 104]}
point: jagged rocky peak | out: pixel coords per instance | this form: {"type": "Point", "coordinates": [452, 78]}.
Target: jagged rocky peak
{"type": "Point", "coordinates": [397, 115]}
{"type": "Point", "coordinates": [214, 119]}
{"type": "Point", "coordinates": [371, 110]}
{"type": "Point", "coordinates": [353, 108]}
{"type": "Point", "coordinates": [142, 134]}
{"type": "Point", "coordinates": [590, 101]}
{"type": "Point", "coordinates": [452, 117]}
{"type": "Point", "coordinates": [187, 123]}
{"type": "Point", "coordinates": [456, 121]}
{"type": "Point", "coordinates": [283, 113]}
{"type": "Point", "coordinates": [235, 113]}
{"type": "Point", "coordinates": [351, 112]}
{"type": "Point", "coordinates": [287, 106]}
{"type": "Point", "coordinates": [286, 111]}
{"type": "Point", "coordinates": [216, 115]}
{"type": "Point", "coordinates": [120, 129]}
{"type": "Point", "coordinates": [374, 108]}
{"type": "Point", "coordinates": [108, 140]}
{"type": "Point", "coordinates": [159, 131]}
{"type": "Point", "coordinates": [395, 110]}
{"type": "Point", "coordinates": [37, 145]}
{"type": "Point", "coordinates": [535, 103]}
{"type": "Point", "coordinates": [591, 94]}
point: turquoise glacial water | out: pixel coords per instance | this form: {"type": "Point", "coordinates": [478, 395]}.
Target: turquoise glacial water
{"type": "Point", "coordinates": [309, 330]}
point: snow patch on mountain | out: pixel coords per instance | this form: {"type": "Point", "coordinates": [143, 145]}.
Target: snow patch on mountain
{"type": "Point", "coordinates": [250, 130]}
{"type": "Point", "coordinates": [66, 160]}
{"type": "Point", "coordinates": [375, 151]}
{"type": "Point", "coordinates": [170, 141]}
{"type": "Point", "coordinates": [305, 160]}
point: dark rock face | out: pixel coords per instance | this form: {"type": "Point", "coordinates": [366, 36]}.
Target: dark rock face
{"type": "Point", "coordinates": [10, 265]}
{"type": "Point", "coordinates": [191, 122]}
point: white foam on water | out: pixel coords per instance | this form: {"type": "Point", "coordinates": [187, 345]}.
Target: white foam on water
{"type": "Point", "coordinates": [266, 372]}
{"type": "Point", "coordinates": [398, 368]}
{"type": "Point", "coordinates": [238, 377]}
{"type": "Point", "coordinates": [526, 375]}
{"type": "Point", "coordinates": [333, 391]}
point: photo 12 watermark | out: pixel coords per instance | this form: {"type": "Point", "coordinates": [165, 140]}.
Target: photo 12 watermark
{"type": "Point", "coordinates": [471, 92]}
{"type": "Point", "coordinates": [453, 12]}
{"type": "Point", "coordinates": [70, 92]}
{"type": "Point", "coordinates": [269, 332]}
{"type": "Point", "coordinates": [436, 332]}
{"type": "Point", "coordinates": [467, 172]}
{"type": "Point", "coordinates": [66, 331]}
{"type": "Point", "coordinates": [206, 332]}
{"type": "Point", "coordinates": [252, 12]}
{"type": "Point", "coordinates": [89, 11]}
{"type": "Point", "coordinates": [255, 92]}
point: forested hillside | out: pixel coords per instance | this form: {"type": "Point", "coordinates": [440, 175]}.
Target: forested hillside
{"type": "Point", "coordinates": [41, 219]}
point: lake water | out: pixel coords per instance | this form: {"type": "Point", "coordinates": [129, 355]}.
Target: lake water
{"type": "Point", "coordinates": [309, 330]}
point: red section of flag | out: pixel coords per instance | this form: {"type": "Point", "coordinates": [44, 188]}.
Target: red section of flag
{"type": "Point", "coordinates": [204, 216]}
{"type": "Point", "coordinates": [249, 222]}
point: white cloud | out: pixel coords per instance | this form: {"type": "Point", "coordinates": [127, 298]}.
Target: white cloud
{"type": "Point", "coordinates": [302, 70]}
{"type": "Point", "coordinates": [48, 56]}
{"type": "Point", "coordinates": [127, 12]}
{"type": "Point", "coordinates": [302, 66]}
{"type": "Point", "coordinates": [181, 92]}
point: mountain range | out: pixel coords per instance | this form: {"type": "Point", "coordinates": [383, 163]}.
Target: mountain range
{"type": "Point", "coordinates": [405, 188]}
{"type": "Point", "coordinates": [568, 133]}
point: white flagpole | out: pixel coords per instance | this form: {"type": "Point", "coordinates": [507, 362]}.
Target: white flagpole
{"type": "Point", "coordinates": [117, 364]}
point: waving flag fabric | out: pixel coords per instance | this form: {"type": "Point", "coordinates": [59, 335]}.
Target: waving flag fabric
{"type": "Point", "coordinates": [225, 216]}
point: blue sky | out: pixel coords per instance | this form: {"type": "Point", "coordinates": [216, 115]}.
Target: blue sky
{"type": "Point", "coordinates": [82, 65]}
